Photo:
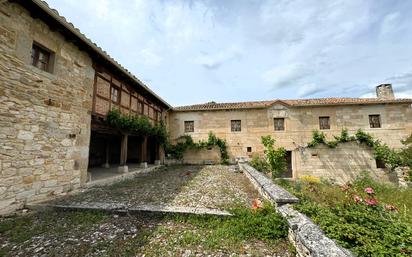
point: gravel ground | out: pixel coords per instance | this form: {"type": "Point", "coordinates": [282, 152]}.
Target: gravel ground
{"type": "Point", "coordinates": [217, 187]}
{"type": "Point", "coordinates": [86, 233]}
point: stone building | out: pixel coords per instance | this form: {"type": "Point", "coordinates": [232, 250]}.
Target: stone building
{"type": "Point", "coordinates": [56, 88]}
{"type": "Point", "coordinates": [291, 123]}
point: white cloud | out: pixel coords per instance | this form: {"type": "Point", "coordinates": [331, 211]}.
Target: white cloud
{"type": "Point", "coordinates": [214, 61]}
{"type": "Point", "coordinates": [282, 76]}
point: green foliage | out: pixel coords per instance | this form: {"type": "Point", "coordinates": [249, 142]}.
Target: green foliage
{"type": "Point", "coordinates": [275, 158]}
{"type": "Point", "coordinates": [186, 142]}
{"type": "Point", "coordinates": [259, 164]}
{"type": "Point", "coordinates": [140, 125]}
{"type": "Point", "coordinates": [406, 154]}
{"type": "Point", "coordinates": [245, 224]}
{"type": "Point", "coordinates": [317, 138]}
{"type": "Point", "coordinates": [365, 230]}
{"type": "Point", "coordinates": [383, 152]}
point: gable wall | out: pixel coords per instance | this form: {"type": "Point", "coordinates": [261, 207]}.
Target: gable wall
{"type": "Point", "coordinates": [44, 117]}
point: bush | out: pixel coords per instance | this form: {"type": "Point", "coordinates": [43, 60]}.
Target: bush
{"type": "Point", "coordinates": [275, 158]}
{"type": "Point", "coordinates": [186, 142]}
{"type": "Point", "coordinates": [367, 217]}
{"type": "Point", "coordinates": [259, 164]}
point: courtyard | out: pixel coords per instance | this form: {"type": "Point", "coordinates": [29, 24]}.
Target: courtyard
{"type": "Point", "coordinates": [54, 232]}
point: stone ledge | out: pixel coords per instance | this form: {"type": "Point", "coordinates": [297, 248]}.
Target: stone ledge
{"type": "Point", "coordinates": [123, 208]}
{"type": "Point", "coordinates": [266, 187]}
{"type": "Point", "coordinates": [308, 238]}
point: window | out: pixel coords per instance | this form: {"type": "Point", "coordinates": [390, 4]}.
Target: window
{"type": "Point", "coordinates": [189, 126]}
{"type": "Point", "coordinates": [249, 149]}
{"type": "Point", "coordinates": [375, 121]}
{"type": "Point", "coordinates": [40, 58]}
{"type": "Point", "coordinates": [235, 125]}
{"type": "Point", "coordinates": [140, 107]}
{"type": "Point", "coordinates": [324, 122]}
{"type": "Point", "coordinates": [114, 94]}
{"type": "Point", "coordinates": [279, 124]}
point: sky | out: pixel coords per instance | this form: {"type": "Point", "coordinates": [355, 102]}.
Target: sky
{"type": "Point", "coordinates": [197, 51]}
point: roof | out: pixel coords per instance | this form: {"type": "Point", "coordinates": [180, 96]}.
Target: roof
{"type": "Point", "coordinates": [210, 106]}
{"type": "Point", "coordinates": [97, 53]}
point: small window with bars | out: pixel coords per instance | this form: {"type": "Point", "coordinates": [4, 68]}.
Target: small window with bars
{"type": "Point", "coordinates": [189, 126]}
{"type": "Point", "coordinates": [236, 125]}
{"type": "Point", "coordinates": [114, 94]}
{"type": "Point", "coordinates": [41, 57]}
{"type": "Point", "coordinates": [324, 122]}
{"type": "Point", "coordinates": [375, 121]}
{"type": "Point", "coordinates": [279, 124]}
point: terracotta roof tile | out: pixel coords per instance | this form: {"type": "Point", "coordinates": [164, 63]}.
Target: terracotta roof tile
{"type": "Point", "coordinates": [293, 102]}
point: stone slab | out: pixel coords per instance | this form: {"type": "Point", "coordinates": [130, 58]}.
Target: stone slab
{"type": "Point", "coordinates": [123, 208]}
{"type": "Point", "coordinates": [266, 187]}
{"type": "Point", "coordinates": [308, 238]}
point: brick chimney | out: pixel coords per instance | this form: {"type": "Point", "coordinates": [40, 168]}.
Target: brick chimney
{"type": "Point", "coordinates": [384, 91]}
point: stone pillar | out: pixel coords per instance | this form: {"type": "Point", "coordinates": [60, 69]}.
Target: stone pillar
{"type": "Point", "coordinates": [123, 154]}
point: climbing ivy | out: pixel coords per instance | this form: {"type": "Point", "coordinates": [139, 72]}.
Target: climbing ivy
{"type": "Point", "coordinates": [136, 124]}
{"type": "Point", "coordinates": [381, 151]}
{"type": "Point", "coordinates": [186, 142]}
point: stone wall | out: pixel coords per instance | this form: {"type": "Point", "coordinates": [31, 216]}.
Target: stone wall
{"type": "Point", "coordinates": [44, 117]}
{"type": "Point", "coordinates": [341, 164]}
{"type": "Point", "coordinates": [396, 120]}
{"type": "Point", "coordinates": [202, 156]}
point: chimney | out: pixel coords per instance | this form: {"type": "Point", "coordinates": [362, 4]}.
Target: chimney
{"type": "Point", "coordinates": [384, 91]}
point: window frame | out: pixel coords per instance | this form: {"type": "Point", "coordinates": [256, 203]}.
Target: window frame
{"type": "Point", "coordinates": [321, 124]}
{"type": "Point", "coordinates": [113, 87]}
{"type": "Point", "coordinates": [186, 126]}
{"type": "Point", "coordinates": [36, 50]}
{"type": "Point", "coordinates": [371, 123]}
{"type": "Point", "coordinates": [283, 124]}
{"type": "Point", "coordinates": [233, 128]}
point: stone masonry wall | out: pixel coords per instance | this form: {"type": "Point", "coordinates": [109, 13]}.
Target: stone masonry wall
{"type": "Point", "coordinates": [341, 164]}
{"type": "Point", "coordinates": [396, 121]}
{"type": "Point", "coordinates": [202, 156]}
{"type": "Point", "coordinates": [44, 117]}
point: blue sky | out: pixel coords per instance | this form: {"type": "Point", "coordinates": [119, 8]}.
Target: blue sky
{"type": "Point", "coordinates": [197, 51]}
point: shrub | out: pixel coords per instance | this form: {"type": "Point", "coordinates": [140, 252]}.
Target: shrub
{"type": "Point", "coordinates": [186, 142]}
{"type": "Point", "coordinates": [275, 158]}
{"type": "Point", "coordinates": [310, 179]}
{"type": "Point", "coordinates": [317, 138]}
{"type": "Point", "coordinates": [259, 164]}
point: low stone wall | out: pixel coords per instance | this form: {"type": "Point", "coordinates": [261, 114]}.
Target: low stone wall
{"type": "Point", "coordinates": [202, 156]}
{"type": "Point", "coordinates": [341, 164]}
{"type": "Point", "coordinates": [308, 239]}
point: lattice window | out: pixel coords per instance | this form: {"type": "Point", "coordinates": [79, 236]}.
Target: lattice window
{"type": "Point", "coordinates": [236, 125]}
{"type": "Point", "coordinates": [114, 94]}
{"type": "Point", "coordinates": [189, 126]}
{"type": "Point", "coordinates": [375, 121]}
{"type": "Point", "coordinates": [324, 122]}
{"type": "Point", "coordinates": [40, 58]}
{"type": "Point", "coordinates": [279, 124]}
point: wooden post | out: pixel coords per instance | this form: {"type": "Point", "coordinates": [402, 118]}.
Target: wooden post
{"type": "Point", "coordinates": [106, 164]}
{"type": "Point", "coordinates": [123, 150]}
{"type": "Point", "coordinates": [143, 156]}
{"type": "Point", "coordinates": [123, 155]}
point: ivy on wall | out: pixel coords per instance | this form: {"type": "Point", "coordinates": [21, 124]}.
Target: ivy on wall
{"type": "Point", "coordinates": [383, 152]}
{"type": "Point", "coordinates": [139, 125]}
{"type": "Point", "coordinates": [186, 142]}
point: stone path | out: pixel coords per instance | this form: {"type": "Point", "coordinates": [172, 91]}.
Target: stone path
{"type": "Point", "coordinates": [205, 187]}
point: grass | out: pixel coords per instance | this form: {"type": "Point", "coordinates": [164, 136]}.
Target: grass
{"type": "Point", "coordinates": [367, 230]}
{"type": "Point", "coordinates": [258, 232]}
